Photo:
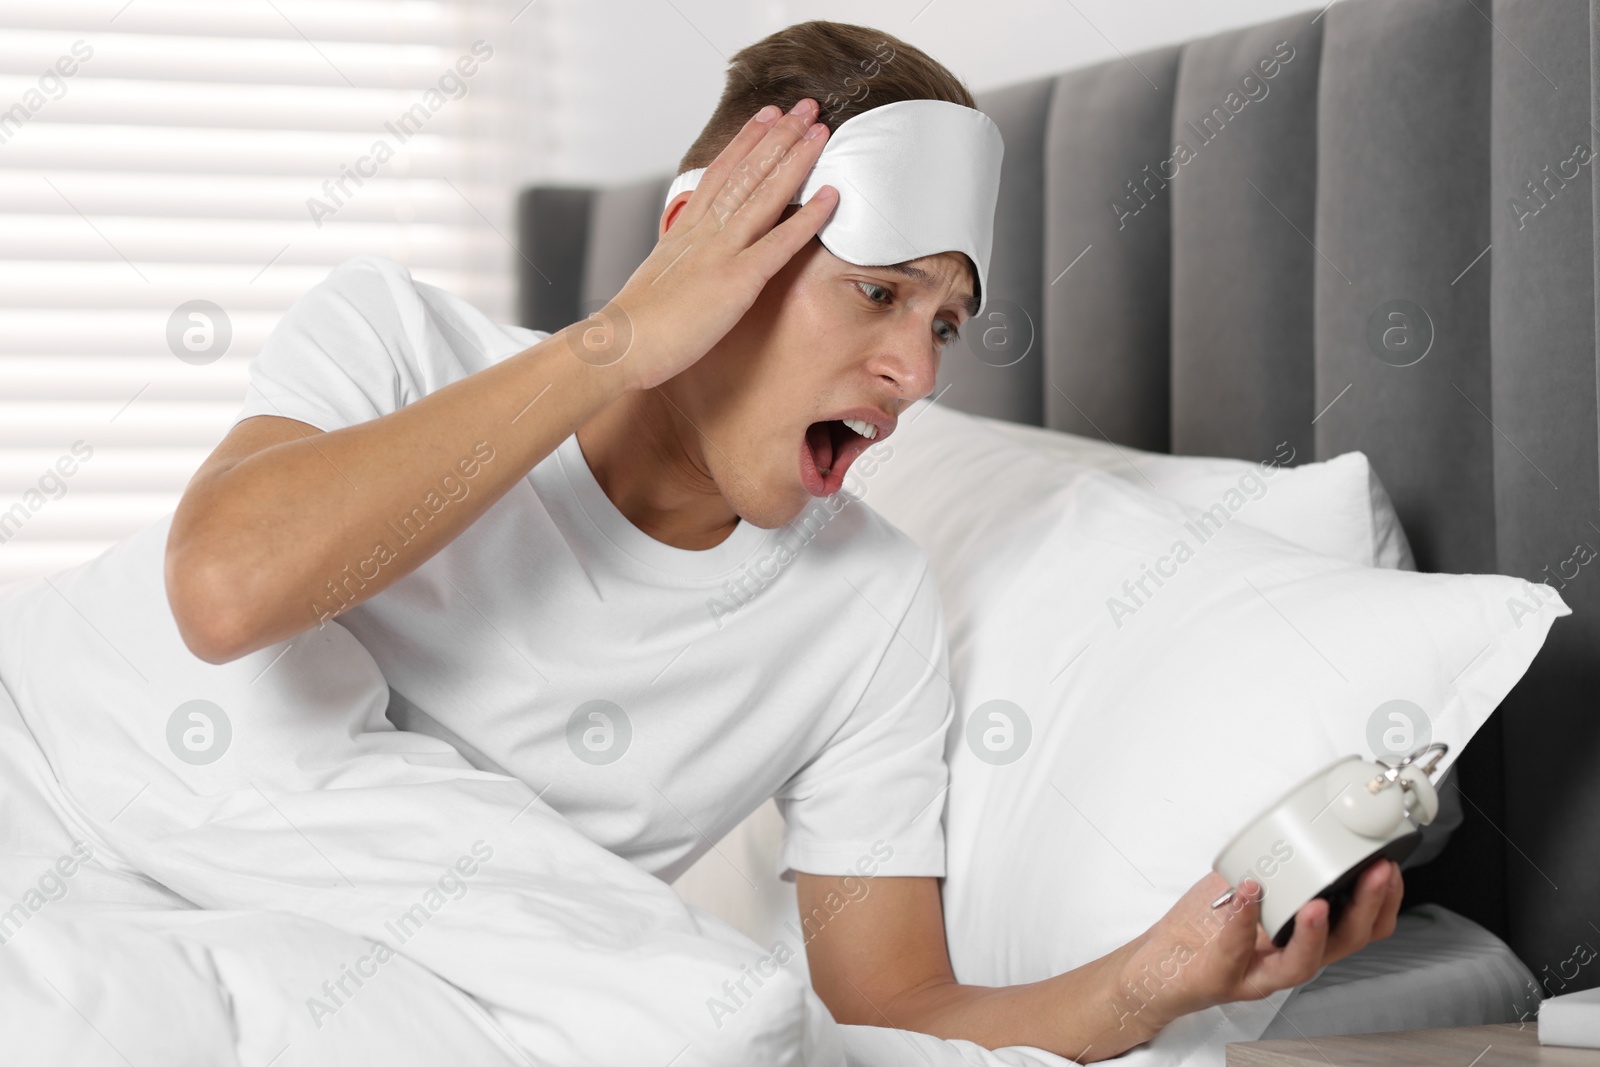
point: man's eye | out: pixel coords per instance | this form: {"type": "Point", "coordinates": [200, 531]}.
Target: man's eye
{"type": "Point", "coordinates": [864, 286]}
{"type": "Point", "coordinates": [950, 336]}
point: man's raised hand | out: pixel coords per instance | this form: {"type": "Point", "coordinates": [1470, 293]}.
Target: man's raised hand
{"type": "Point", "coordinates": [717, 255]}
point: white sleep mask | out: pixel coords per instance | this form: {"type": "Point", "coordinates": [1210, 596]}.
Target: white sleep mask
{"type": "Point", "coordinates": [915, 178]}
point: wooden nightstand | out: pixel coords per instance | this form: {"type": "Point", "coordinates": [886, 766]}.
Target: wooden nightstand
{"type": "Point", "coordinates": [1504, 1045]}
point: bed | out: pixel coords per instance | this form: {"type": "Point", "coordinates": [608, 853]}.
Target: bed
{"type": "Point", "coordinates": [157, 908]}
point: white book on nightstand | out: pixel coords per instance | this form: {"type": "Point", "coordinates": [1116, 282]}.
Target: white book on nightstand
{"type": "Point", "coordinates": [1571, 1019]}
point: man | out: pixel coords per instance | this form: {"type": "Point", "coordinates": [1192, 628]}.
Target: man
{"type": "Point", "coordinates": [530, 535]}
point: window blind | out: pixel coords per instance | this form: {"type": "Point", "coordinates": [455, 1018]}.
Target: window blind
{"type": "Point", "coordinates": [173, 175]}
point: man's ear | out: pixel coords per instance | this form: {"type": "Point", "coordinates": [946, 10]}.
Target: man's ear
{"type": "Point", "coordinates": [674, 209]}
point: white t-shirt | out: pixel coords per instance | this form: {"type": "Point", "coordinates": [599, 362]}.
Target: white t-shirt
{"type": "Point", "coordinates": [654, 695]}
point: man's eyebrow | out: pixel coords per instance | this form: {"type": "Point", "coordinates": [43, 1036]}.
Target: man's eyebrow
{"type": "Point", "coordinates": [969, 302]}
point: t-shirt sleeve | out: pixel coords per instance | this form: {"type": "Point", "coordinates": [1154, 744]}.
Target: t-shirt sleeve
{"type": "Point", "coordinates": [872, 801]}
{"type": "Point", "coordinates": [344, 353]}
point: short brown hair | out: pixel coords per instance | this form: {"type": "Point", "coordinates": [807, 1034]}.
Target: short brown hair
{"type": "Point", "coordinates": [846, 69]}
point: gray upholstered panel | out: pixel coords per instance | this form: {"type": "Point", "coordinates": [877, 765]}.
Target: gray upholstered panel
{"type": "Point", "coordinates": [1546, 474]}
{"type": "Point", "coordinates": [622, 231]}
{"type": "Point", "coordinates": [1108, 249]}
{"type": "Point", "coordinates": [995, 369]}
{"type": "Point", "coordinates": [1243, 266]}
{"type": "Point", "coordinates": [1406, 83]}
{"type": "Point", "coordinates": [552, 239]}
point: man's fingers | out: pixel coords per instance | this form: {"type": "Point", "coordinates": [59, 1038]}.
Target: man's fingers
{"type": "Point", "coordinates": [1300, 958]}
{"type": "Point", "coordinates": [763, 185]}
{"type": "Point", "coordinates": [785, 177]}
{"type": "Point", "coordinates": [1390, 914]}
{"type": "Point", "coordinates": [745, 190]}
{"type": "Point", "coordinates": [1357, 921]}
{"type": "Point", "coordinates": [716, 174]}
{"type": "Point", "coordinates": [1386, 907]}
{"type": "Point", "coordinates": [789, 236]}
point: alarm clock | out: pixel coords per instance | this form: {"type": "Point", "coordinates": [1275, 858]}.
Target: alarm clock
{"type": "Point", "coordinates": [1319, 837]}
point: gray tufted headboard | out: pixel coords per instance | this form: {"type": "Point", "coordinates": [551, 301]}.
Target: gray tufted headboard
{"type": "Point", "coordinates": [1355, 188]}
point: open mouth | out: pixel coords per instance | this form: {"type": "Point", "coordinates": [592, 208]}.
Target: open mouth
{"type": "Point", "coordinates": [827, 451]}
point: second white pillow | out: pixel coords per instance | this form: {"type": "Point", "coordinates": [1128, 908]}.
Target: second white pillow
{"type": "Point", "coordinates": [1337, 507]}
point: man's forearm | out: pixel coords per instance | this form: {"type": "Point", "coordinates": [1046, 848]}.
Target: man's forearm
{"type": "Point", "coordinates": [1086, 1014]}
{"type": "Point", "coordinates": [260, 540]}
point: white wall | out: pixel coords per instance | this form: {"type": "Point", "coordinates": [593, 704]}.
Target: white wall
{"type": "Point", "coordinates": [624, 86]}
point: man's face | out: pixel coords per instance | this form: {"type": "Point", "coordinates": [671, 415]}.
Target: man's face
{"type": "Point", "coordinates": [826, 341]}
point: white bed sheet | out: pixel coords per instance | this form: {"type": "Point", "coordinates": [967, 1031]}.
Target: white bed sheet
{"type": "Point", "coordinates": [317, 811]}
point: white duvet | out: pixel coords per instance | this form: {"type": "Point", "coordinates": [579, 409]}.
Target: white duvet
{"type": "Point", "coordinates": [333, 891]}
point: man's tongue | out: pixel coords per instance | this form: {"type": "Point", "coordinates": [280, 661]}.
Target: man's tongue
{"type": "Point", "coordinates": [820, 438]}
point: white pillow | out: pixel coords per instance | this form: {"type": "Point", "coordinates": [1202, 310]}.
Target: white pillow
{"type": "Point", "coordinates": [1325, 505]}
{"type": "Point", "coordinates": [1337, 506]}
{"type": "Point", "coordinates": [1152, 727]}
